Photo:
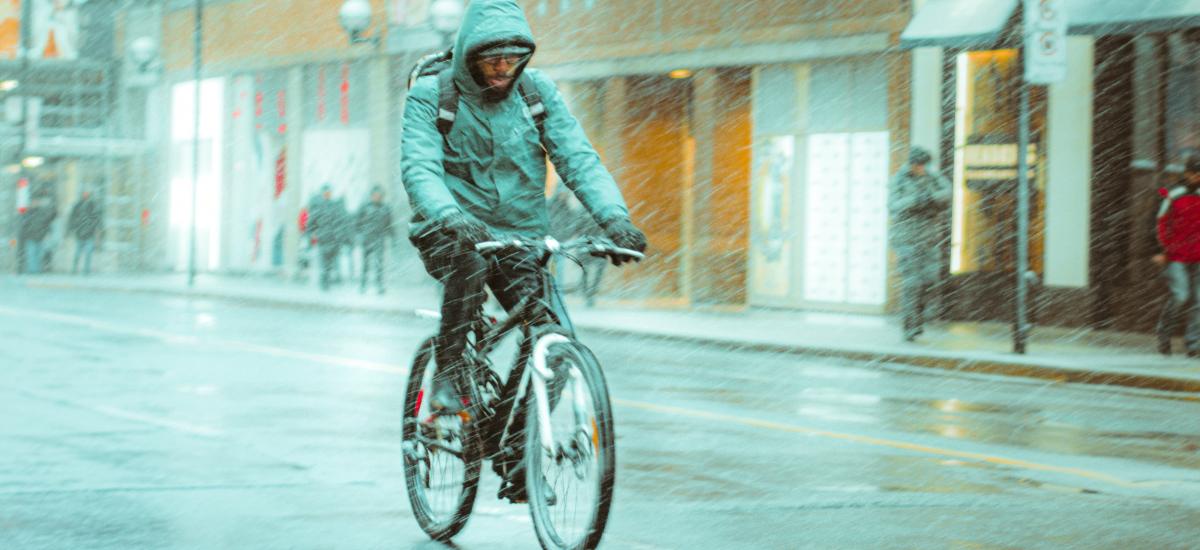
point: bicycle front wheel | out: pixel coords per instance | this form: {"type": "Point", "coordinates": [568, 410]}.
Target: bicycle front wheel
{"type": "Point", "coordinates": [441, 457]}
{"type": "Point", "coordinates": [570, 481]}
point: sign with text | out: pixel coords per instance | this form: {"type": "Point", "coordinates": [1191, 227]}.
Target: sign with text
{"type": "Point", "coordinates": [1045, 41]}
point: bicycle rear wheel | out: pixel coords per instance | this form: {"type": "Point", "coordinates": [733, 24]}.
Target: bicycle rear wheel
{"type": "Point", "coordinates": [570, 485]}
{"type": "Point", "coordinates": [441, 457]}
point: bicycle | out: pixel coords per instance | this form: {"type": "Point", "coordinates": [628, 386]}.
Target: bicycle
{"type": "Point", "coordinates": [519, 424]}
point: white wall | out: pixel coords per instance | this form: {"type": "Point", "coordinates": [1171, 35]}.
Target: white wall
{"type": "Point", "coordinates": [1069, 173]}
{"type": "Point", "coordinates": [926, 126]}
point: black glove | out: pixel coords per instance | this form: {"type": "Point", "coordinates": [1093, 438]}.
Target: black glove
{"type": "Point", "coordinates": [467, 230]}
{"type": "Point", "coordinates": [623, 234]}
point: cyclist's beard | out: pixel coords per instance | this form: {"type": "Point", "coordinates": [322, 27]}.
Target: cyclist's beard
{"type": "Point", "coordinates": [491, 93]}
{"type": "Point", "coordinates": [499, 92]}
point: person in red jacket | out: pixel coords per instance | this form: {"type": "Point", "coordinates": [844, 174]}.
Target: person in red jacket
{"type": "Point", "coordinates": [1179, 237]}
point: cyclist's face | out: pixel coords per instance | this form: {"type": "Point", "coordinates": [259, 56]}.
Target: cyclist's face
{"type": "Point", "coordinates": [499, 71]}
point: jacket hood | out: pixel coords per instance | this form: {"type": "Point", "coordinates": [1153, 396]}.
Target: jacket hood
{"type": "Point", "coordinates": [487, 23]}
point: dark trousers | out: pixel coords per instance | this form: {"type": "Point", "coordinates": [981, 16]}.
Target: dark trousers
{"type": "Point", "coordinates": [372, 255]}
{"type": "Point", "coordinates": [463, 273]}
{"type": "Point", "coordinates": [84, 248]}
{"type": "Point", "coordinates": [329, 263]}
{"type": "Point", "coordinates": [919, 266]}
{"type": "Point", "coordinates": [1183, 283]}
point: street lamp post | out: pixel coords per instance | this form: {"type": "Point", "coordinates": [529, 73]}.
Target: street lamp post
{"type": "Point", "coordinates": [445, 16]}
{"type": "Point", "coordinates": [355, 16]}
{"type": "Point", "coordinates": [198, 35]}
{"type": "Point", "coordinates": [23, 80]}
{"type": "Point", "coordinates": [142, 51]}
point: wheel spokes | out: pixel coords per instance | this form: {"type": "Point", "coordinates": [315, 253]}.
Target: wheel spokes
{"type": "Point", "coordinates": [571, 470]}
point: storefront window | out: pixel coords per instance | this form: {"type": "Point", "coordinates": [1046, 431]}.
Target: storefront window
{"type": "Point", "coordinates": [207, 194]}
{"type": "Point", "coordinates": [1183, 96]}
{"type": "Point", "coordinates": [845, 208]}
{"type": "Point", "coordinates": [820, 194]}
{"type": "Point", "coordinates": [985, 164]}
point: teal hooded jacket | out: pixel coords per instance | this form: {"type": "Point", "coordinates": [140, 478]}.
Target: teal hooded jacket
{"type": "Point", "coordinates": [492, 164]}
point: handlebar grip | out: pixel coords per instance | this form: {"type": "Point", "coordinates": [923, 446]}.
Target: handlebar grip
{"type": "Point", "coordinates": [607, 250]}
{"type": "Point", "coordinates": [629, 252]}
{"type": "Point", "coordinates": [498, 245]}
{"type": "Point", "coordinates": [489, 245]}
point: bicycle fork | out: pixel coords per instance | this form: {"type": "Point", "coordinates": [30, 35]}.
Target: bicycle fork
{"type": "Point", "coordinates": [542, 374]}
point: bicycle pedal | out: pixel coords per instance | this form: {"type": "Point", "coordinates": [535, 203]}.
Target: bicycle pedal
{"type": "Point", "coordinates": [513, 492]}
{"type": "Point", "coordinates": [517, 494]}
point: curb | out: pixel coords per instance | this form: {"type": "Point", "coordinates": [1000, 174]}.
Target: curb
{"type": "Point", "coordinates": [979, 366]}
{"type": "Point", "coordinates": [1060, 374]}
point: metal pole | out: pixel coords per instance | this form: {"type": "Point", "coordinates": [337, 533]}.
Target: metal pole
{"type": "Point", "coordinates": [198, 35]}
{"type": "Point", "coordinates": [1021, 325]}
{"type": "Point", "coordinates": [23, 80]}
{"type": "Point", "coordinates": [23, 74]}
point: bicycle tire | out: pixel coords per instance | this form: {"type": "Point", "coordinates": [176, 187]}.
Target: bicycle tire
{"type": "Point", "coordinates": [602, 444]}
{"type": "Point", "coordinates": [439, 525]}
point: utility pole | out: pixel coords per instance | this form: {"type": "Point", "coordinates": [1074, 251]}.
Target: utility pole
{"type": "Point", "coordinates": [197, 60]}
{"type": "Point", "coordinates": [23, 80]}
{"type": "Point", "coordinates": [1044, 62]}
{"type": "Point", "coordinates": [1021, 328]}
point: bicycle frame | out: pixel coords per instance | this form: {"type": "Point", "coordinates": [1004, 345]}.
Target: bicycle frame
{"type": "Point", "coordinates": [531, 313]}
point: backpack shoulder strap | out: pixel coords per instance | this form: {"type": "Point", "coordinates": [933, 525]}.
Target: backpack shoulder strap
{"type": "Point", "coordinates": [537, 108]}
{"type": "Point", "coordinates": [447, 102]}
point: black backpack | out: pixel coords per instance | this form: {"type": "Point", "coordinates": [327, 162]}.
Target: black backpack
{"type": "Point", "coordinates": [439, 63]}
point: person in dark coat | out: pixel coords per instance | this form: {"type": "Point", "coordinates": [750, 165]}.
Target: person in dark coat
{"type": "Point", "coordinates": [918, 203]}
{"type": "Point", "coordinates": [345, 241]}
{"type": "Point", "coordinates": [485, 177]}
{"type": "Point", "coordinates": [35, 226]}
{"type": "Point", "coordinates": [375, 230]}
{"type": "Point", "coordinates": [327, 226]}
{"type": "Point", "coordinates": [1179, 237]}
{"type": "Point", "coordinates": [85, 223]}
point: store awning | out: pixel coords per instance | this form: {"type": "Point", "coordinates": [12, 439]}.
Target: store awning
{"type": "Point", "coordinates": [1107, 17]}
{"type": "Point", "coordinates": [979, 24]}
{"type": "Point", "coordinates": [958, 23]}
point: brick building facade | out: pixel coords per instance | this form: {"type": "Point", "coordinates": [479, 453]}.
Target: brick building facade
{"type": "Point", "coordinates": [729, 126]}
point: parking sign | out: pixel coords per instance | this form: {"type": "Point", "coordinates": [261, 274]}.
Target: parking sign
{"type": "Point", "coordinates": [1045, 41]}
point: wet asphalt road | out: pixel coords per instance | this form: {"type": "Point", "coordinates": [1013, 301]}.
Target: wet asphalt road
{"type": "Point", "coordinates": [142, 421]}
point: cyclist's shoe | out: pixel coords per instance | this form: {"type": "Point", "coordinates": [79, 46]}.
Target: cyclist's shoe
{"type": "Point", "coordinates": [444, 396]}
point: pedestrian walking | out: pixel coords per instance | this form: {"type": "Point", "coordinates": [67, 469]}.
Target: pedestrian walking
{"type": "Point", "coordinates": [918, 202]}
{"type": "Point", "coordinates": [326, 227]}
{"type": "Point", "coordinates": [344, 233]}
{"type": "Point", "coordinates": [85, 224]}
{"type": "Point", "coordinates": [35, 227]}
{"type": "Point", "coordinates": [1179, 237]}
{"type": "Point", "coordinates": [374, 221]}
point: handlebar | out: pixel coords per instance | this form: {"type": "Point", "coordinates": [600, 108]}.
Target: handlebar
{"type": "Point", "coordinates": [590, 245]}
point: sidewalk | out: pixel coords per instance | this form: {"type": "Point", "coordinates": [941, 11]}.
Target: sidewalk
{"type": "Point", "coordinates": [1063, 355]}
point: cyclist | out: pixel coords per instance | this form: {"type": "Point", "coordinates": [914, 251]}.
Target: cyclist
{"type": "Point", "coordinates": [485, 178]}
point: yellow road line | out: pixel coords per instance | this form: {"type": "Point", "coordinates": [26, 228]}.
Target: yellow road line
{"type": "Point", "coordinates": [664, 409]}
{"type": "Point", "coordinates": [879, 442]}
